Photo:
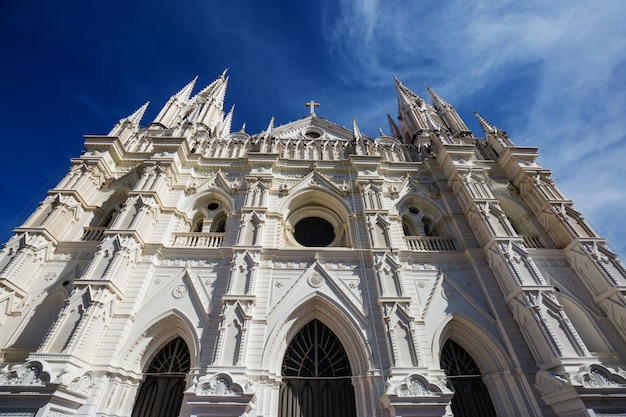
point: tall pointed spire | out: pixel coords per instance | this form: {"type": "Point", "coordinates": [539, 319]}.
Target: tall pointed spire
{"type": "Point", "coordinates": [133, 119]}
{"type": "Point", "coordinates": [136, 117]}
{"type": "Point", "coordinates": [393, 127]}
{"type": "Point", "coordinates": [356, 133]}
{"type": "Point", "coordinates": [406, 97]}
{"type": "Point", "coordinates": [448, 114]}
{"type": "Point", "coordinates": [169, 112]}
{"type": "Point", "coordinates": [497, 137]}
{"type": "Point", "coordinates": [185, 92]}
{"type": "Point", "coordinates": [485, 125]}
{"type": "Point", "coordinates": [228, 120]}
{"type": "Point", "coordinates": [215, 91]}
{"type": "Point", "coordinates": [270, 128]}
{"type": "Point", "coordinates": [210, 102]}
{"type": "Point", "coordinates": [437, 101]}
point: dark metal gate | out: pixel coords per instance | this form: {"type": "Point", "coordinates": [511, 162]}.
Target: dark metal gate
{"type": "Point", "coordinates": [161, 394]}
{"type": "Point", "coordinates": [471, 398]}
{"type": "Point", "coordinates": [316, 376]}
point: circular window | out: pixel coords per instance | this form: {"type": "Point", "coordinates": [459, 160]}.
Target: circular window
{"type": "Point", "coordinates": [213, 206]}
{"type": "Point", "coordinates": [313, 133]}
{"type": "Point", "coordinates": [414, 210]}
{"type": "Point", "coordinates": [314, 231]}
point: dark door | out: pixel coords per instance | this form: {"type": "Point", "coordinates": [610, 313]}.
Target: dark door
{"type": "Point", "coordinates": [161, 394]}
{"type": "Point", "coordinates": [471, 397]}
{"type": "Point", "coordinates": [316, 376]}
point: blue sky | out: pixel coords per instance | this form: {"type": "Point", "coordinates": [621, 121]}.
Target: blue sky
{"type": "Point", "coordinates": [552, 74]}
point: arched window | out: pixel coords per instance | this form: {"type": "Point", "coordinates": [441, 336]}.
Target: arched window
{"type": "Point", "coordinates": [161, 394]}
{"type": "Point", "coordinates": [471, 398]}
{"type": "Point", "coordinates": [429, 229]}
{"type": "Point", "coordinates": [196, 225]}
{"type": "Point", "coordinates": [219, 223]}
{"type": "Point", "coordinates": [316, 376]}
{"type": "Point", "coordinates": [408, 226]}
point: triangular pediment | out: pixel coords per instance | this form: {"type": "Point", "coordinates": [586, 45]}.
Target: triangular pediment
{"type": "Point", "coordinates": [317, 180]}
{"type": "Point", "coordinates": [412, 186]}
{"type": "Point", "coordinates": [454, 290]}
{"type": "Point", "coordinates": [315, 279]}
{"type": "Point", "coordinates": [311, 128]}
{"type": "Point", "coordinates": [215, 181]}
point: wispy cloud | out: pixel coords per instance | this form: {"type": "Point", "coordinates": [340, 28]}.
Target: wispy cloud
{"type": "Point", "coordinates": [563, 63]}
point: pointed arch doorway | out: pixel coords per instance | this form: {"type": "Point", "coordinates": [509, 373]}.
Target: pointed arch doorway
{"type": "Point", "coordinates": [161, 394]}
{"type": "Point", "coordinates": [471, 397]}
{"type": "Point", "coordinates": [316, 376]}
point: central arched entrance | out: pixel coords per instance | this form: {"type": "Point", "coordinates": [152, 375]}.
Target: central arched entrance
{"type": "Point", "coordinates": [316, 376]}
{"type": "Point", "coordinates": [161, 394]}
{"type": "Point", "coordinates": [471, 398]}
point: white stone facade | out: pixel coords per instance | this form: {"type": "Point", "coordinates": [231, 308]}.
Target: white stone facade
{"type": "Point", "coordinates": [184, 229]}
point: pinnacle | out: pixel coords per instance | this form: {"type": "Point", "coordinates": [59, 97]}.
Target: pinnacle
{"type": "Point", "coordinates": [393, 128]}
{"type": "Point", "coordinates": [356, 133]}
{"type": "Point", "coordinates": [185, 92]}
{"type": "Point", "coordinates": [485, 125]}
{"type": "Point", "coordinates": [135, 118]}
{"type": "Point", "coordinates": [406, 97]}
{"type": "Point", "coordinates": [437, 101]}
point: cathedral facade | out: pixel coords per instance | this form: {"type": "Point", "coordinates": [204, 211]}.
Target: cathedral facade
{"type": "Point", "coordinates": [181, 268]}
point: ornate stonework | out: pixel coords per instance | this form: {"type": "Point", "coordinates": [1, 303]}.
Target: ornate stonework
{"type": "Point", "coordinates": [178, 253]}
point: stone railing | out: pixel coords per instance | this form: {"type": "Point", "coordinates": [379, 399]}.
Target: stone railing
{"type": "Point", "coordinates": [93, 233]}
{"type": "Point", "coordinates": [532, 241]}
{"type": "Point", "coordinates": [198, 240]}
{"type": "Point", "coordinates": [430, 243]}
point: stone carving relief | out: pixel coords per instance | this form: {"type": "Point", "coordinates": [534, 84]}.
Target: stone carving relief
{"type": "Point", "coordinates": [29, 373]}
{"type": "Point", "coordinates": [548, 383]}
{"type": "Point", "coordinates": [179, 291]}
{"type": "Point", "coordinates": [596, 376]}
{"type": "Point", "coordinates": [315, 280]}
{"type": "Point", "coordinates": [218, 385]}
{"type": "Point", "coordinates": [414, 386]}
{"type": "Point", "coordinates": [82, 384]}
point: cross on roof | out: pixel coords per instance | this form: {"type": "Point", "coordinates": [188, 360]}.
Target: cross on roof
{"type": "Point", "coordinates": [312, 105]}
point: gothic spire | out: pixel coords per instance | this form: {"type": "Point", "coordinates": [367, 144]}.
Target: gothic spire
{"type": "Point", "coordinates": [437, 101]}
{"type": "Point", "coordinates": [228, 120]}
{"type": "Point", "coordinates": [406, 97]}
{"type": "Point", "coordinates": [356, 133]}
{"type": "Point", "coordinates": [136, 117]}
{"type": "Point", "coordinates": [492, 132]}
{"type": "Point", "coordinates": [169, 112]}
{"type": "Point", "coordinates": [485, 125]}
{"type": "Point", "coordinates": [448, 115]}
{"type": "Point", "coordinates": [216, 91]}
{"type": "Point", "coordinates": [393, 127]}
{"type": "Point", "coordinates": [185, 92]}
{"type": "Point", "coordinates": [133, 119]}
{"type": "Point", "coordinates": [270, 128]}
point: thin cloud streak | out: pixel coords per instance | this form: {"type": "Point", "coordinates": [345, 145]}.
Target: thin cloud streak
{"type": "Point", "coordinates": [571, 53]}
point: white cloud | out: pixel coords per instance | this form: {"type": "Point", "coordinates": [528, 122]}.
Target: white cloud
{"type": "Point", "coordinates": [574, 53]}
